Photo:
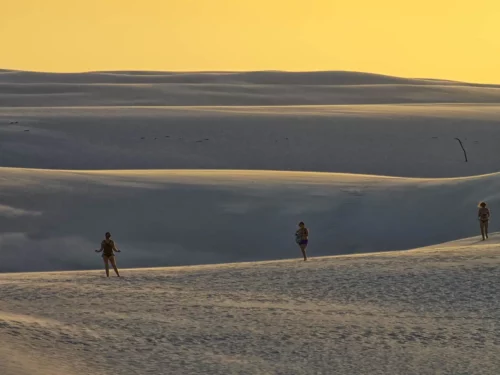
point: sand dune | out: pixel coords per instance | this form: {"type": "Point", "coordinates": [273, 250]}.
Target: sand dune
{"type": "Point", "coordinates": [397, 140]}
{"type": "Point", "coordinates": [52, 220]}
{"type": "Point", "coordinates": [31, 89]}
{"type": "Point", "coordinates": [258, 77]}
{"type": "Point", "coordinates": [170, 216]}
{"type": "Point", "coordinates": [218, 167]}
{"type": "Point", "coordinates": [420, 312]}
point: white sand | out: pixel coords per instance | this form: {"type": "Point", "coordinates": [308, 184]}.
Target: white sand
{"type": "Point", "coordinates": [200, 168]}
{"type": "Point", "coordinates": [52, 220]}
{"type": "Point", "coordinates": [218, 89]}
{"type": "Point", "coordinates": [431, 311]}
{"type": "Point", "coordinates": [397, 140]}
{"type": "Point", "coordinates": [323, 121]}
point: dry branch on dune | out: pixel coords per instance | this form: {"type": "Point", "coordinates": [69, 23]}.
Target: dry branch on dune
{"type": "Point", "coordinates": [461, 145]}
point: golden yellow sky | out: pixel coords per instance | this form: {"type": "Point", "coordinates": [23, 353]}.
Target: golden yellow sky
{"type": "Point", "coordinates": [450, 39]}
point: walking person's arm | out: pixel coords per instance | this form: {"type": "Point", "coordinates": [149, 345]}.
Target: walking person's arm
{"type": "Point", "coordinates": [115, 249]}
{"type": "Point", "coordinates": [101, 249]}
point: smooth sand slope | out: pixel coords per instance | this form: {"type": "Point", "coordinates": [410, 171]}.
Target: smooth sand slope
{"type": "Point", "coordinates": [225, 88]}
{"type": "Point", "coordinates": [311, 121]}
{"type": "Point", "coordinates": [52, 220]}
{"type": "Point", "coordinates": [163, 217]}
{"type": "Point", "coordinates": [429, 311]}
{"type": "Point", "coordinates": [397, 140]}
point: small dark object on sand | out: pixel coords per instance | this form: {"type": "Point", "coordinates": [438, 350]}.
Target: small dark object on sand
{"type": "Point", "coordinates": [463, 149]}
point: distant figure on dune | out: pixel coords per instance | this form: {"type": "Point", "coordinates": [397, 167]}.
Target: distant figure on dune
{"type": "Point", "coordinates": [483, 214]}
{"type": "Point", "coordinates": [302, 238]}
{"type": "Point", "coordinates": [108, 248]}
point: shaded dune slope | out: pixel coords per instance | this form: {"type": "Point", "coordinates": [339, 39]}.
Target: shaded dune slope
{"type": "Point", "coordinates": [257, 77]}
{"type": "Point", "coordinates": [26, 89]}
{"type": "Point", "coordinates": [404, 140]}
{"type": "Point", "coordinates": [164, 218]}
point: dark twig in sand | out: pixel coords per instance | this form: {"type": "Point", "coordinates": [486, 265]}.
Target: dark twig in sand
{"type": "Point", "coordinates": [461, 145]}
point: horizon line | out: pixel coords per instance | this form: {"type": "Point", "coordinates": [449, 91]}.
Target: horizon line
{"type": "Point", "coordinates": [236, 72]}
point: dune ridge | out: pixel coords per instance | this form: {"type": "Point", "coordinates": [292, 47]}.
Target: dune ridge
{"type": "Point", "coordinates": [264, 88]}
{"type": "Point", "coordinates": [256, 77]}
{"type": "Point", "coordinates": [391, 140]}
{"type": "Point", "coordinates": [160, 217]}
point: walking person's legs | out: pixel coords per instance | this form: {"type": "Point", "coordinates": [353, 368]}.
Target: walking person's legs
{"type": "Point", "coordinates": [482, 225]}
{"type": "Point", "coordinates": [303, 249]}
{"type": "Point", "coordinates": [106, 265]}
{"type": "Point", "coordinates": [113, 263]}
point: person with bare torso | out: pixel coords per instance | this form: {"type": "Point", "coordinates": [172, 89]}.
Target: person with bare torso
{"type": "Point", "coordinates": [108, 249]}
{"type": "Point", "coordinates": [302, 238]}
{"type": "Point", "coordinates": [483, 215]}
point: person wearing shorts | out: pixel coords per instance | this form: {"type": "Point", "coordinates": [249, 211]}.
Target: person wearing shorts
{"type": "Point", "coordinates": [483, 215]}
{"type": "Point", "coordinates": [108, 249]}
{"type": "Point", "coordinates": [302, 238]}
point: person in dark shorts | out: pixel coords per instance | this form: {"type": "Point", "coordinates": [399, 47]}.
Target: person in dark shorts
{"type": "Point", "coordinates": [108, 249]}
{"type": "Point", "coordinates": [302, 238]}
{"type": "Point", "coordinates": [483, 214]}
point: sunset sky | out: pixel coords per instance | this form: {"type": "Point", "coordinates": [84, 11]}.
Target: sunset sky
{"type": "Point", "coordinates": [450, 39]}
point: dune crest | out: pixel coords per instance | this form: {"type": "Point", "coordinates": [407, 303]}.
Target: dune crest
{"type": "Point", "coordinates": [263, 88]}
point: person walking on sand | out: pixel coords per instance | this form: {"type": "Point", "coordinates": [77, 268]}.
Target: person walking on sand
{"type": "Point", "coordinates": [108, 248]}
{"type": "Point", "coordinates": [302, 238]}
{"type": "Point", "coordinates": [483, 214]}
